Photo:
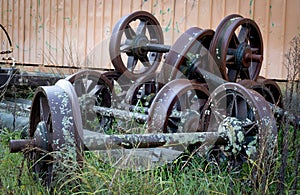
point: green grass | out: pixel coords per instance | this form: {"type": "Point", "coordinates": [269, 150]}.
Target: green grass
{"type": "Point", "coordinates": [195, 177]}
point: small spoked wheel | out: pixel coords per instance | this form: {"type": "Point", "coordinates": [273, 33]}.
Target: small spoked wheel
{"type": "Point", "coordinates": [177, 107]}
{"type": "Point", "coordinates": [136, 45]}
{"type": "Point", "coordinates": [245, 119]}
{"type": "Point", "coordinates": [238, 49]}
{"type": "Point", "coordinates": [92, 89]}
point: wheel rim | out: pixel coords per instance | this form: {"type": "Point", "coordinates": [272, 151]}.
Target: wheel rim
{"type": "Point", "coordinates": [54, 130]}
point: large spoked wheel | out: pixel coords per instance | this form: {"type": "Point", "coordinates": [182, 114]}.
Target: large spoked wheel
{"type": "Point", "coordinates": [57, 138]}
{"type": "Point", "coordinates": [92, 89]}
{"type": "Point", "coordinates": [245, 118]}
{"type": "Point", "coordinates": [177, 107]}
{"type": "Point", "coordinates": [238, 49]}
{"type": "Point", "coordinates": [134, 45]}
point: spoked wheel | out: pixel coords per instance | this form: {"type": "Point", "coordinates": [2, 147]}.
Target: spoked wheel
{"type": "Point", "coordinates": [177, 107]}
{"type": "Point", "coordinates": [273, 88]}
{"type": "Point", "coordinates": [186, 47]}
{"type": "Point", "coordinates": [245, 118]}
{"type": "Point", "coordinates": [143, 90]}
{"type": "Point", "coordinates": [139, 38]}
{"type": "Point", "coordinates": [267, 88]}
{"type": "Point", "coordinates": [120, 82]}
{"type": "Point", "coordinates": [57, 137]}
{"type": "Point", "coordinates": [238, 49]}
{"type": "Point", "coordinates": [92, 89]}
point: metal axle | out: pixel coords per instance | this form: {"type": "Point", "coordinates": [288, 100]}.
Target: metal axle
{"type": "Point", "coordinates": [97, 141]}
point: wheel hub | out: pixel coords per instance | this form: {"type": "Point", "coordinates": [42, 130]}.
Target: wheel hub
{"type": "Point", "coordinates": [138, 44]}
{"type": "Point", "coordinates": [231, 128]}
{"type": "Point", "coordinates": [241, 54]}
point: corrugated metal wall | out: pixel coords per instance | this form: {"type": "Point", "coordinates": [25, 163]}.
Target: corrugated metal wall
{"type": "Point", "coordinates": [64, 32]}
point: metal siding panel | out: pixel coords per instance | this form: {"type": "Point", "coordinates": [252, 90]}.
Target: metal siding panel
{"type": "Point", "coordinates": [64, 32]}
{"type": "Point", "coordinates": [292, 26]}
{"type": "Point", "coordinates": [90, 42]}
{"type": "Point", "coordinates": [191, 15]}
{"type": "Point", "coordinates": [205, 14]}
{"type": "Point", "coordinates": [167, 21]}
{"type": "Point", "coordinates": [261, 13]}
{"type": "Point", "coordinates": [217, 13]}
{"type": "Point", "coordinates": [274, 52]}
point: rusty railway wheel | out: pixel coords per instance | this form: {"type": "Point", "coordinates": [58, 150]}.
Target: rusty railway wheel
{"type": "Point", "coordinates": [238, 49]}
{"type": "Point", "coordinates": [143, 90]}
{"type": "Point", "coordinates": [58, 141]}
{"type": "Point", "coordinates": [92, 89]}
{"type": "Point", "coordinates": [188, 45]}
{"type": "Point", "coordinates": [232, 108]}
{"type": "Point", "coordinates": [177, 107]}
{"type": "Point", "coordinates": [129, 47]}
{"type": "Point", "coordinates": [267, 88]}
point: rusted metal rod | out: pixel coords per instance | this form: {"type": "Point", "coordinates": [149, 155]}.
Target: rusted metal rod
{"type": "Point", "coordinates": [156, 47]}
{"type": "Point", "coordinates": [98, 141]}
{"type": "Point", "coordinates": [19, 145]}
{"type": "Point", "coordinates": [121, 114]}
{"type": "Point", "coordinates": [128, 115]}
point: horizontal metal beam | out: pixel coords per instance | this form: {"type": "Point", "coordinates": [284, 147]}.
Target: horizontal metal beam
{"type": "Point", "coordinates": [97, 141]}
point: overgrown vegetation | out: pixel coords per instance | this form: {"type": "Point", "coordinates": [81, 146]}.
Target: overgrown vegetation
{"type": "Point", "coordinates": [195, 176]}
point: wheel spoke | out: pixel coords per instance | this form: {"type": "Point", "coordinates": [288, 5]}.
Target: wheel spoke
{"type": "Point", "coordinates": [124, 48]}
{"type": "Point", "coordinates": [254, 50]}
{"type": "Point", "coordinates": [93, 91]}
{"type": "Point", "coordinates": [243, 34]}
{"type": "Point", "coordinates": [129, 32]}
{"type": "Point", "coordinates": [231, 102]}
{"type": "Point", "coordinates": [145, 61]}
{"type": "Point", "coordinates": [131, 63]}
{"type": "Point", "coordinates": [232, 74]}
{"type": "Point", "coordinates": [234, 43]}
{"type": "Point", "coordinates": [242, 109]}
{"type": "Point", "coordinates": [141, 28]}
{"type": "Point", "coordinates": [250, 127]}
{"type": "Point", "coordinates": [229, 58]}
{"type": "Point", "coordinates": [154, 40]}
{"type": "Point", "coordinates": [219, 115]}
{"type": "Point", "coordinates": [245, 74]}
{"type": "Point", "coordinates": [183, 102]}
